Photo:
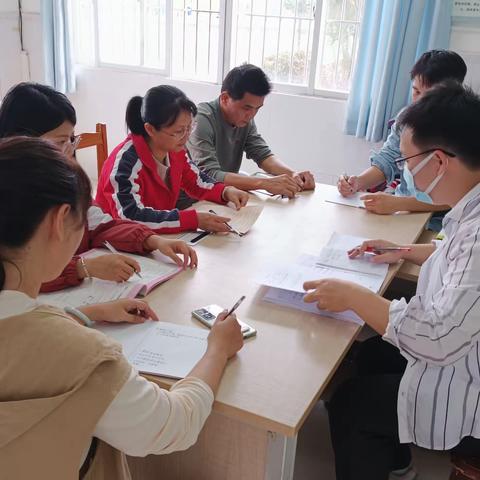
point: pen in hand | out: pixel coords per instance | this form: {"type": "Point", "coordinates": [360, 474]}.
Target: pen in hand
{"type": "Point", "coordinates": [240, 300]}
{"type": "Point", "coordinates": [387, 249]}
{"type": "Point", "coordinates": [228, 225]}
{"type": "Point", "coordinates": [112, 249]}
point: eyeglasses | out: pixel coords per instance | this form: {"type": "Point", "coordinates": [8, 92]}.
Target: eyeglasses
{"type": "Point", "coordinates": [400, 162]}
{"type": "Point", "coordinates": [183, 132]}
{"type": "Point", "coordinates": [70, 144]}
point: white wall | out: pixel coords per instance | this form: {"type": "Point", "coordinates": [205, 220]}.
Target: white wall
{"type": "Point", "coordinates": [306, 132]}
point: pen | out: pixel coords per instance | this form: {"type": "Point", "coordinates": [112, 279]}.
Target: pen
{"type": "Point", "coordinates": [387, 249]}
{"type": "Point", "coordinates": [228, 225]}
{"type": "Point", "coordinates": [347, 178]}
{"type": "Point", "coordinates": [113, 250]}
{"type": "Point", "coordinates": [240, 300]}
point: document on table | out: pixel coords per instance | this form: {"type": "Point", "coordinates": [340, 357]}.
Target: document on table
{"type": "Point", "coordinates": [95, 290]}
{"type": "Point", "coordinates": [352, 201]}
{"type": "Point", "coordinates": [311, 267]}
{"type": "Point", "coordinates": [291, 299]}
{"type": "Point", "coordinates": [159, 348]}
{"type": "Point", "coordinates": [241, 220]}
{"type": "Point", "coordinates": [90, 291]}
{"type": "Point", "coordinates": [286, 281]}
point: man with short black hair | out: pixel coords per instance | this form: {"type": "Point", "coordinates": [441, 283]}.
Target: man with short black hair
{"type": "Point", "coordinates": [226, 129]}
{"type": "Point", "coordinates": [419, 382]}
{"type": "Point", "coordinates": [432, 68]}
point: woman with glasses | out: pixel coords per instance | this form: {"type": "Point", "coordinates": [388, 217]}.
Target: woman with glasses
{"type": "Point", "coordinates": [142, 178]}
{"type": "Point", "coordinates": [420, 383]}
{"type": "Point", "coordinates": [37, 110]}
{"type": "Point", "coordinates": [71, 406]}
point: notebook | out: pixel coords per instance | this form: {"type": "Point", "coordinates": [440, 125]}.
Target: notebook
{"type": "Point", "coordinates": [94, 290]}
{"type": "Point", "coordinates": [294, 300]}
{"type": "Point", "coordinates": [159, 348]}
{"type": "Point", "coordinates": [241, 220]}
{"type": "Point", "coordinates": [286, 281]}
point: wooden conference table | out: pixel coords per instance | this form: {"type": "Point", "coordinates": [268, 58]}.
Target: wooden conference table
{"type": "Point", "coordinates": [270, 387]}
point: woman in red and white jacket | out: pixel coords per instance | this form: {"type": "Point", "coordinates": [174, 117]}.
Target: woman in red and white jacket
{"type": "Point", "coordinates": [142, 178]}
{"type": "Point", "coordinates": [38, 110]}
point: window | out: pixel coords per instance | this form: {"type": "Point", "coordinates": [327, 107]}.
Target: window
{"type": "Point", "coordinates": [305, 46]}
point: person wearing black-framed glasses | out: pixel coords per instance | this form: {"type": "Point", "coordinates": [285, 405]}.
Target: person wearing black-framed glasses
{"type": "Point", "coordinates": [419, 382]}
{"type": "Point", "coordinates": [432, 68]}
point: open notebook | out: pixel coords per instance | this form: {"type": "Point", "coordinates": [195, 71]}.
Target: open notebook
{"type": "Point", "coordinates": [241, 220]}
{"type": "Point", "coordinates": [159, 348]}
{"type": "Point", "coordinates": [286, 281]}
{"type": "Point", "coordinates": [95, 290]}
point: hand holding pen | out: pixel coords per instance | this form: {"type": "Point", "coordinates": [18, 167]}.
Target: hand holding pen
{"type": "Point", "coordinates": [382, 251]}
{"type": "Point", "coordinates": [348, 184]}
{"type": "Point", "coordinates": [232, 230]}
{"type": "Point", "coordinates": [112, 249]}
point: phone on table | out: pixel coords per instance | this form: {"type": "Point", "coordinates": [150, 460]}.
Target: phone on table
{"type": "Point", "coordinates": [208, 314]}
{"type": "Point", "coordinates": [192, 238]}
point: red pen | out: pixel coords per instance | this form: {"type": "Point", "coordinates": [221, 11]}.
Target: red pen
{"type": "Point", "coordinates": [387, 249]}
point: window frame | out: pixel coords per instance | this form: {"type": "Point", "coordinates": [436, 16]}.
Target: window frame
{"type": "Point", "coordinates": [224, 52]}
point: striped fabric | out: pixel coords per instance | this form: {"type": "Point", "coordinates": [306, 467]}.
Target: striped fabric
{"type": "Point", "coordinates": [130, 187]}
{"type": "Point", "coordinates": [438, 332]}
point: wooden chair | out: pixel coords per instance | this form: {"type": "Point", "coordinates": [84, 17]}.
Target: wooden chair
{"type": "Point", "coordinates": [465, 468]}
{"type": "Point", "coordinates": [99, 140]}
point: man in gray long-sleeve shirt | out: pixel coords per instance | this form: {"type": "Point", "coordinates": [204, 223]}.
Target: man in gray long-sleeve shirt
{"type": "Point", "coordinates": [226, 129]}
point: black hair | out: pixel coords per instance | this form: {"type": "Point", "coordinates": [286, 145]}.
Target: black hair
{"type": "Point", "coordinates": [246, 78]}
{"type": "Point", "coordinates": [36, 177]}
{"type": "Point", "coordinates": [446, 117]}
{"type": "Point", "coordinates": [160, 107]}
{"type": "Point", "coordinates": [34, 109]}
{"type": "Point", "coordinates": [436, 66]}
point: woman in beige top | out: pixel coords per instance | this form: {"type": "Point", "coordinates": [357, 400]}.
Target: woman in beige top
{"type": "Point", "coordinates": [61, 384]}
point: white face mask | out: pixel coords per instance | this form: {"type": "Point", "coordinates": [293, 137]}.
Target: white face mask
{"type": "Point", "coordinates": [409, 175]}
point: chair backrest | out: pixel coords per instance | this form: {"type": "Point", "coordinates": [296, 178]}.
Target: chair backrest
{"type": "Point", "coordinates": [99, 140]}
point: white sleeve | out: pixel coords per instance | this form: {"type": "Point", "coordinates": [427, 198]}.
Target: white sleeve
{"type": "Point", "coordinates": [144, 419]}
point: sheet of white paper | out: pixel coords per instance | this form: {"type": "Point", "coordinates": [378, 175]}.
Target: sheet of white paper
{"type": "Point", "coordinates": [241, 220]}
{"type": "Point", "coordinates": [160, 348]}
{"type": "Point", "coordinates": [151, 269]}
{"type": "Point", "coordinates": [292, 277]}
{"type": "Point", "coordinates": [345, 242]}
{"type": "Point", "coordinates": [333, 257]}
{"type": "Point", "coordinates": [98, 291]}
{"type": "Point", "coordinates": [290, 299]}
{"type": "Point", "coordinates": [352, 201]}
{"type": "Point", "coordinates": [88, 292]}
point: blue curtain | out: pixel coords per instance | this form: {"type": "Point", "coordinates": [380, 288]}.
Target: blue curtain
{"type": "Point", "coordinates": [394, 34]}
{"type": "Point", "coordinates": [59, 70]}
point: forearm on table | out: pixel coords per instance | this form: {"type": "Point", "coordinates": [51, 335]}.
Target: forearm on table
{"type": "Point", "coordinates": [275, 166]}
{"type": "Point", "coordinates": [411, 204]}
{"type": "Point", "coordinates": [371, 308]}
{"type": "Point", "coordinates": [210, 368]}
{"type": "Point", "coordinates": [419, 253]}
{"type": "Point", "coordinates": [371, 177]}
{"type": "Point", "coordinates": [243, 182]}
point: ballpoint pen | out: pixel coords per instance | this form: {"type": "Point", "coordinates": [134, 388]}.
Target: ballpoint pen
{"type": "Point", "coordinates": [387, 249]}
{"type": "Point", "coordinates": [240, 300]}
{"type": "Point", "coordinates": [240, 234]}
{"type": "Point", "coordinates": [113, 250]}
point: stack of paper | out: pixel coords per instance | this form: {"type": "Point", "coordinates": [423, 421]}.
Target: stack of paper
{"type": "Point", "coordinates": [159, 348]}
{"type": "Point", "coordinates": [95, 290]}
{"type": "Point", "coordinates": [241, 220]}
{"type": "Point", "coordinates": [286, 281]}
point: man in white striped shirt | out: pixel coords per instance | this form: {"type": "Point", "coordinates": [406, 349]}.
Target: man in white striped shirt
{"type": "Point", "coordinates": [423, 387]}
